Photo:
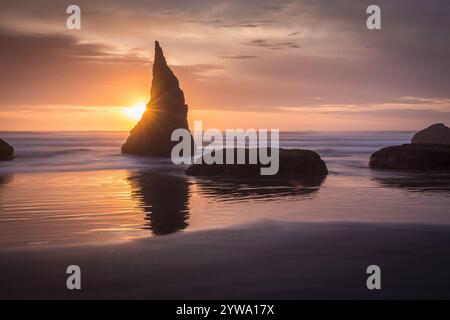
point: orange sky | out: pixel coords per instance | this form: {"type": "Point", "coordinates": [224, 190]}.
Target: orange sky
{"type": "Point", "coordinates": [291, 65]}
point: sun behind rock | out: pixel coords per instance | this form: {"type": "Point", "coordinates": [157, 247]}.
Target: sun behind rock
{"type": "Point", "coordinates": [165, 112]}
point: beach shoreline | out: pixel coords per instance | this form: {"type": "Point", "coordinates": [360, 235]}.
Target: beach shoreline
{"type": "Point", "coordinates": [265, 260]}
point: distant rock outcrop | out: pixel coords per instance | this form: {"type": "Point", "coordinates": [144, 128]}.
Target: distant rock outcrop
{"type": "Point", "coordinates": [165, 112]}
{"type": "Point", "coordinates": [6, 151]}
{"type": "Point", "coordinates": [429, 150]}
{"type": "Point", "coordinates": [412, 157]}
{"type": "Point", "coordinates": [437, 133]}
{"type": "Point", "coordinates": [293, 163]}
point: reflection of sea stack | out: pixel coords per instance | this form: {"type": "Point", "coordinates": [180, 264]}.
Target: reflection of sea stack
{"type": "Point", "coordinates": [165, 200]}
{"type": "Point", "coordinates": [417, 181]}
{"type": "Point", "coordinates": [6, 151]}
{"type": "Point", "coordinates": [165, 112]}
{"type": "Point", "coordinates": [257, 189]}
{"type": "Point", "coordinates": [437, 133]}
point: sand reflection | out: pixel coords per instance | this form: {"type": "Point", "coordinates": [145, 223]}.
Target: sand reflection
{"type": "Point", "coordinates": [4, 180]}
{"type": "Point", "coordinates": [257, 189]}
{"type": "Point", "coordinates": [415, 182]}
{"type": "Point", "coordinates": [164, 199]}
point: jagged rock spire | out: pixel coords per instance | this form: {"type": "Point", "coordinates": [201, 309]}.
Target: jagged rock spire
{"type": "Point", "coordinates": [165, 112]}
{"type": "Point", "coordinates": [165, 86]}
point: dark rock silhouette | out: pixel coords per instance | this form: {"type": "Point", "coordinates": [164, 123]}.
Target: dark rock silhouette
{"type": "Point", "coordinates": [437, 134]}
{"type": "Point", "coordinates": [429, 150]}
{"type": "Point", "coordinates": [165, 112]}
{"type": "Point", "coordinates": [412, 157]}
{"type": "Point", "coordinates": [6, 151]}
{"type": "Point", "coordinates": [294, 163]}
{"type": "Point", "coordinates": [164, 199]}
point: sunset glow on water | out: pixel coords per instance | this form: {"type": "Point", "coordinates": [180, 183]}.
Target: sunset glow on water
{"type": "Point", "coordinates": [97, 195]}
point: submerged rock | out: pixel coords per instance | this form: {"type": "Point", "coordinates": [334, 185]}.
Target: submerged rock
{"type": "Point", "coordinates": [165, 112]}
{"type": "Point", "coordinates": [293, 163]}
{"type": "Point", "coordinates": [437, 134]}
{"type": "Point", "coordinates": [6, 151]}
{"type": "Point", "coordinates": [412, 157]}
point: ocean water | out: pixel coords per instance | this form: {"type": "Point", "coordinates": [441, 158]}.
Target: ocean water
{"type": "Point", "coordinates": [66, 188]}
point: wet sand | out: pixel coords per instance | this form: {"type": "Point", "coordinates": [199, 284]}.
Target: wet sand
{"type": "Point", "coordinates": [267, 260]}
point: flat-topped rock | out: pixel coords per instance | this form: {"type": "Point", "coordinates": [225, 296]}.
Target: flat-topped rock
{"type": "Point", "coordinates": [412, 157]}
{"type": "Point", "coordinates": [6, 150]}
{"type": "Point", "coordinates": [293, 163]}
{"type": "Point", "coordinates": [435, 134]}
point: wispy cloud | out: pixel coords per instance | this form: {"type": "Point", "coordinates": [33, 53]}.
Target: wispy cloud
{"type": "Point", "coordinates": [272, 44]}
{"type": "Point", "coordinates": [240, 57]}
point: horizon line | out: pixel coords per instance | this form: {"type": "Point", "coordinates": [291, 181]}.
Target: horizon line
{"type": "Point", "coordinates": [127, 131]}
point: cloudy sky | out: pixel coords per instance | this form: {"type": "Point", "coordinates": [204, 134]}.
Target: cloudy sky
{"type": "Point", "coordinates": [293, 65]}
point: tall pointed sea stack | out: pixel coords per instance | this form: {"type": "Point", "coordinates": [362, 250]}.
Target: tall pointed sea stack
{"type": "Point", "coordinates": [165, 112]}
